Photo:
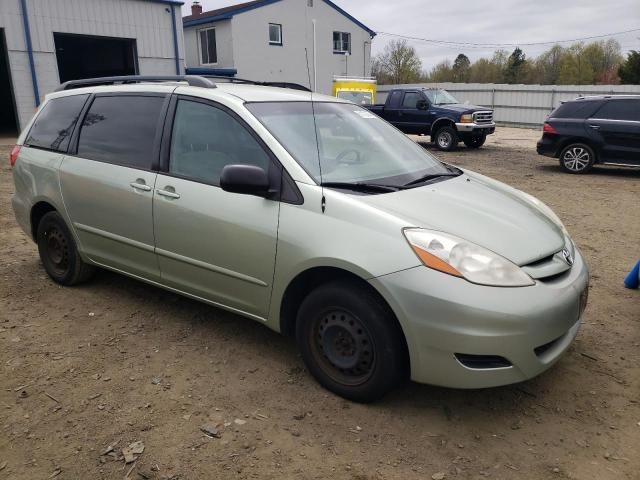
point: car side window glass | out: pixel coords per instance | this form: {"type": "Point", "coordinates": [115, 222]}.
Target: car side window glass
{"type": "Point", "coordinates": [620, 110]}
{"type": "Point", "coordinates": [121, 130]}
{"type": "Point", "coordinates": [54, 125]}
{"type": "Point", "coordinates": [411, 99]}
{"type": "Point", "coordinates": [205, 139]}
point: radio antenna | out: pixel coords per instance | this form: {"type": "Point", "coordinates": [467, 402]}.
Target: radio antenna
{"type": "Point", "coordinates": [323, 202]}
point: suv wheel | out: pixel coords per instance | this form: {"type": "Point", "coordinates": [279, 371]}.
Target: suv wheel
{"type": "Point", "coordinates": [446, 138]}
{"type": "Point", "coordinates": [475, 141]}
{"type": "Point", "coordinates": [577, 158]}
{"type": "Point", "coordinates": [59, 253]}
{"type": "Point", "coordinates": [350, 341]}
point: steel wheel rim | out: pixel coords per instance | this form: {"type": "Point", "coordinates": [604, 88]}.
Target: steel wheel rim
{"type": "Point", "coordinates": [57, 249]}
{"type": "Point", "coordinates": [576, 159]}
{"type": "Point", "coordinates": [444, 139]}
{"type": "Point", "coordinates": [344, 347]}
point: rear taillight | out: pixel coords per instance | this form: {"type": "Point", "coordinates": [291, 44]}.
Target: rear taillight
{"type": "Point", "coordinates": [547, 128]}
{"type": "Point", "coordinates": [13, 156]}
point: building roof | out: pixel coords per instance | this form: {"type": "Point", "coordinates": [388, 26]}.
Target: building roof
{"type": "Point", "coordinates": [226, 13]}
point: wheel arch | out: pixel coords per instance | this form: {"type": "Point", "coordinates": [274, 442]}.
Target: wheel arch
{"type": "Point", "coordinates": [585, 141]}
{"type": "Point", "coordinates": [39, 210]}
{"type": "Point", "coordinates": [440, 122]}
{"type": "Point", "coordinates": [308, 280]}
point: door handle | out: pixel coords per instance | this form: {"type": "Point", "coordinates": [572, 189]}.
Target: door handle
{"type": "Point", "coordinates": [595, 127]}
{"type": "Point", "coordinates": [168, 194]}
{"type": "Point", "coordinates": [140, 186]}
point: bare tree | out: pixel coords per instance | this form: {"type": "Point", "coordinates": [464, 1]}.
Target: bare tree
{"type": "Point", "coordinates": [399, 63]}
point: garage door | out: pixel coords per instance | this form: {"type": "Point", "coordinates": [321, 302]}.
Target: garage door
{"type": "Point", "coordinates": [87, 56]}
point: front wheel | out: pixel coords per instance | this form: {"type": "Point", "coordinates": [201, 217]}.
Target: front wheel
{"type": "Point", "coordinates": [59, 253]}
{"type": "Point", "coordinates": [577, 158]}
{"type": "Point", "coordinates": [475, 141]}
{"type": "Point", "coordinates": [446, 138]}
{"type": "Point", "coordinates": [350, 341]}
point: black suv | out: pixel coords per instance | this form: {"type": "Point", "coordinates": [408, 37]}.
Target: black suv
{"type": "Point", "coordinates": [601, 129]}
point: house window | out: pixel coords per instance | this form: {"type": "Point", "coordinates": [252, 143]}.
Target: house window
{"type": "Point", "coordinates": [208, 52]}
{"type": "Point", "coordinates": [341, 42]}
{"type": "Point", "coordinates": [275, 34]}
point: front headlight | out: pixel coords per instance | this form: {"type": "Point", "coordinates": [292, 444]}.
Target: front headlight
{"type": "Point", "coordinates": [458, 257]}
{"type": "Point", "coordinates": [466, 118]}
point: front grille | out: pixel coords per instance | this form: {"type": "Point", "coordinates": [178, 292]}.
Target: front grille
{"type": "Point", "coordinates": [483, 117]}
{"type": "Point", "coordinates": [480, 362]}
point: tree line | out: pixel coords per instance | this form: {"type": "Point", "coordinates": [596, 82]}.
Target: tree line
{"type": "Point", "coordinates": [596, 63]}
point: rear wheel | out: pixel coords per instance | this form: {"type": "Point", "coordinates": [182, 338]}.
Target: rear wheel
{"type": "Point", "coordinates": [350, 341]}
{"type": "Point", "coordinates": [59, 253]}
{"type": "Point", "coordinates": [475, 141]}
{"type": "Point", "coordinates": [577, 158]}
{"type": "Point", "coordinates": [446, 138]}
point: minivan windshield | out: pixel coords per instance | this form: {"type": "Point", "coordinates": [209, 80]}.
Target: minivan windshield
{"type": "Point", "coordinates": [438, 96]}
{"type": "Point", "coordinates": [347, 143]}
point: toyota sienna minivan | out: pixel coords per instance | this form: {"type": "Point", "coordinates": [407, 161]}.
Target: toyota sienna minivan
{"type": "Point", "coordinates": [306, 213]}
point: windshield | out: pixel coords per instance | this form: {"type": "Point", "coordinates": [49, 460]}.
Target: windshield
{"type": "Point", "coordinates": [438, 96]}
{"type": "Point", "coordinates": [354, 144]}
{"type": "Point", "coordinates": [361, 98]}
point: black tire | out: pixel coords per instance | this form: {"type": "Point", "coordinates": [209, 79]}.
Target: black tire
{"type": "Point", "coordinates": [475, 141]}
{"type": "Point", "coordinates": [351, 341]}
{"type": "Point", "coordinates": [577, 158]}
{"type": "Point", "coordinates": [59, 253]}
{"type": "Point", "coordinates": [446, 138]}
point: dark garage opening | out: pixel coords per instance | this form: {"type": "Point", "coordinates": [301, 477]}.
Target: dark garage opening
{"type": "Point", "coordinates": [8, 117]}
{"type": "Point", "coordinates": [87, 56]}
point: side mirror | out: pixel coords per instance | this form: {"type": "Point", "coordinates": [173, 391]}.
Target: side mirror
{"type": "Point", "coordinates": [422, 105]}
{"type": "Point", "coordinates": [246, 179]}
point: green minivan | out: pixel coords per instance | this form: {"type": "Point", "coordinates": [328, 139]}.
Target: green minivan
{"type": "Point", "coordinates": [306, 213]}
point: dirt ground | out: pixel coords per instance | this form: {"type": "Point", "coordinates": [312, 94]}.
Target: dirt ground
{"type": "Point", "coordinates": [116, 361]}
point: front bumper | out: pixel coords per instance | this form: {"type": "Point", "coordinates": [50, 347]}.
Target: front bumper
{"type": "Point", "coordinates": [442, 316]}
{"type": "Point", "coordinates": [476, 128]}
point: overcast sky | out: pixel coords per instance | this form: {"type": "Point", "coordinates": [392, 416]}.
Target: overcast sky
{"type": "Point", "coordinates": [501, 21]}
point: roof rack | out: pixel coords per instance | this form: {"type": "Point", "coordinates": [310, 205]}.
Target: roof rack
{"type": "Point", "coordinates": [192, 80]}
{"type": "Point", "coordinates": [293, 86]}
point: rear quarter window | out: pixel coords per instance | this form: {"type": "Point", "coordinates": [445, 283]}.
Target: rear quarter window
{"type": "Point", "coordinates": [54, 124]}
{"type": "Point", "coordinates": [626, 109]}
{"type": "Point", "coordinates": [122, 130]}
{"type": "Point", "coordinates": [577, 109]}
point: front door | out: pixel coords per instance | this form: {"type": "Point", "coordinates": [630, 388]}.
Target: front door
{"type": "Point", "coordinates": [107, 185]}
{"type": "Point", "coordinates": [213, 244]}
{"type": "Point", "coordinates": [416, 120]}
{"type": "Point", "coordinates": [616, 125]}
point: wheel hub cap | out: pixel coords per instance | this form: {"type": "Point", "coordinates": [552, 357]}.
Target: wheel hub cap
{"type": "Point", "coordinates": [576, 158]}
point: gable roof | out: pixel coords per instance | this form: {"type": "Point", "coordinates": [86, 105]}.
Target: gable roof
{"type": "Point", "coordinates": [226, 13]}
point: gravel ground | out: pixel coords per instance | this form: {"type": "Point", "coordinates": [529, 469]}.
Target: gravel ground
{"type": "Point", "coordinates": [116, 361]}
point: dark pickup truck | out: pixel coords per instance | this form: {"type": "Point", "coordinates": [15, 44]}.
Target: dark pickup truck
{"type": "Point", "coordinates": [435, 112]}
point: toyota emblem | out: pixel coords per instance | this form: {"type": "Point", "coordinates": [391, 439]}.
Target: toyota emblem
{"type": "Point", "coordinates": [567, 257]}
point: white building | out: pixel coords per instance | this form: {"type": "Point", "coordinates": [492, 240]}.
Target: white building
{"type": "Point", "coordinates": [46, 42]}
{"type": "Point", "coordinates": [300, 41]}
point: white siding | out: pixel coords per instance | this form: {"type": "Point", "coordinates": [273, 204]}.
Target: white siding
{"type": "Point", "coordinates": [149, 23]}
{"type": "Point", "coordinates": [251, 54]}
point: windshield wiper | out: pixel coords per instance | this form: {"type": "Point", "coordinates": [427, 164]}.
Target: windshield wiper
{"type": "Point", "coordinates": [430, 176]}
{"type": "Point", "coordinates": [361, 186]}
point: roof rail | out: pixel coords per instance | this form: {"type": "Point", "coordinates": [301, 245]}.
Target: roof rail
{"type": "Point", "coordinates": [192, 80]}
{"type": "Point", "coordinates": [293, 86]}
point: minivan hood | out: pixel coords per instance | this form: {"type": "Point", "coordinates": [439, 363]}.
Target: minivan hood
{"type": "Point", "coordinates": [480, 210]}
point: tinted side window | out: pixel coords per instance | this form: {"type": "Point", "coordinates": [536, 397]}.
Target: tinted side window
{"type": "Point", "coordinates": [394, 100]}
{"type": "Point", "coordinates": [578, 109]}
{"type": "Point", "coordinates": [411, 99]}
{"type": "Point", "coordinates": [53, 128]}
{"type": "Point", "coordinates": [205, 139]}
{"type": "Point", "coordinates": [121, 130]}
{"type": "Point", "coordinates": [620, 110]}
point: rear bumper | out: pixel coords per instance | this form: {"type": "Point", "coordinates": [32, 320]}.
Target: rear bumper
{"type": "Point", "coordinates": [447, 320]}
{"type": "Point", "coordinates": [548, 146]}
{"type": "Point", "coordinates": [476, 128]}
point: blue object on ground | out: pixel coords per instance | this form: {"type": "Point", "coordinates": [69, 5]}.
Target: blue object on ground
{"type": "Point", "coordinates": [633, 279]}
